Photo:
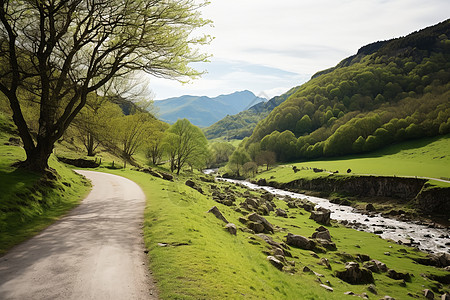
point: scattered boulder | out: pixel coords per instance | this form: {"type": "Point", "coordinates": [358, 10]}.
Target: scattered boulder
{"type": "Point", "coordinates": [190, 183]}
{"type": "Point", "coordinates": [300, 241]}
{"type": "Point", "coordinates": [387, 298]}
{"type": "Point", "coordinates": [151, 172]}
{"type": "Point", "coordinates": [215, 211]}
{"type": "Point", "coordinates": [321, 216]}
{"type": "Point", "coordinates": [440, 260]}
{"type": "Point", "coordinates": [370, 207]}
{"type": "Point", "coordinates": [445, 296]}
{"type": "Point", "coordinates": [371, 288]}
{"type": "Point", "coordinates": [355, 275]}
{"type": "Point", "coordinates": [257, 227]}
{"type": "Point", "coordinates": [193, 185]}
{"type": "Point", "coordinates": [324, 261]}
{"type": "Point", "coordinates": [321, 233]}
{"type": "Point", "coordinates": [398, 275]}
{"type": "Point", "coordinates": [326, 244]}
{"type": "Point", "coordinates": [281, 213]}
{"type": "Point", "coordinates": [428, 294]}
{"type": "Point", "coordinates": [231, 228]}
{"type": "Point", "coordinates": [167, 176]}
{"type": "Point", "coordinates": [375, 266]}
{"type": "Point", "coordinates": [258, 219]}
{"type": "Point", "coordinates": [328, 288]}
{"type": "Point", "coordinates": [275, 262]}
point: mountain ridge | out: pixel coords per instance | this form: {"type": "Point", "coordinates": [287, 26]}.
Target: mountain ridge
{"type": "Point", "coordinates": [203, 111]}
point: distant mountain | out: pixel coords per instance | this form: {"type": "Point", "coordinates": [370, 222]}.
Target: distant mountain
{"type": "Point", "coordinates": [203, 111]}
{"type": "Point", "coordinates": [241, 125]}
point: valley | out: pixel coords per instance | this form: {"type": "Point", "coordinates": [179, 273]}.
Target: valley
{"type": "Point", "coordinates": [338, 188]}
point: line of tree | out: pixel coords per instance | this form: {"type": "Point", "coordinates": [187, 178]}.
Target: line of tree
{"type": "Point", "coordinates": [57, 53]}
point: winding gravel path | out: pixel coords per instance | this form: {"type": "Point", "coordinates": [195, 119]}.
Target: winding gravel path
{"type": "Point", "coordinates": [96, 252]}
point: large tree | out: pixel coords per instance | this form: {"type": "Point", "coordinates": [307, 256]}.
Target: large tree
{"type": "Point", "coordinates": [185, 143]}
{"type": "Point", "coordinates": [63, 50]}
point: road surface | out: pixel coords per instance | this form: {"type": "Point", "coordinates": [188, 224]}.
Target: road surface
{"type": "Point", "coordinates": [96, 252]}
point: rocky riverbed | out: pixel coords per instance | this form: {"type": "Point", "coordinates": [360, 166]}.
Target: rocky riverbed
{"type": "Point", "coordinates": [430, 238]}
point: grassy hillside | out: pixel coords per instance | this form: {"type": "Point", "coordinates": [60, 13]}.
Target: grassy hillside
{"type": "Point", "coordinates": [29, 203]}
{"type": "Point", "coordinates": [389, 92]}
{"type": "Point", "coordinates": [429, 157]}
{"type": "Point", "coordinates": [192, 256]}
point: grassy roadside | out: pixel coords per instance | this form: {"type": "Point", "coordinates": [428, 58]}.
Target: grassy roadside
{"type": "Point", "coordinates": [201, 260]}
{"type": "Point", "coordinates": [423, 158]}
{"type": "Point", "coordinates": [29, 204]}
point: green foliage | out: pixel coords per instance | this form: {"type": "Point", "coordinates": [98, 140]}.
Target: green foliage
{"type": "Point", "coordinates": [220, 153]}
{"type": "Point", "coordinates": [237, 161]}
{"type": "Point", "coordinates": [77, 53]}
{"type": "Point", "coordinates": [242, 124]}
{"type": "Point", "coordinates": [384, 94]}
{"type": "Point", "coordinates": [186, 145]}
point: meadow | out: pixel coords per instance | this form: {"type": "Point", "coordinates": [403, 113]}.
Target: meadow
{"type": "Point", "coordinates": [429, 158]}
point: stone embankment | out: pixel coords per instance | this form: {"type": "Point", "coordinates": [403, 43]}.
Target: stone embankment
{"type": "Point", "coordinates": [427, 200]}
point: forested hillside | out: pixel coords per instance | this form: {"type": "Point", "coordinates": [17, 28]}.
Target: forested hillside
{"type": "Point", "coordinates": [388, 92]}
{"type": "Point", "coordinates": [242, 124]}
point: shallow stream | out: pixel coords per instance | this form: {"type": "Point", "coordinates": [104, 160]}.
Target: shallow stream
{"type": "Point", "coordinates": [428, 239]}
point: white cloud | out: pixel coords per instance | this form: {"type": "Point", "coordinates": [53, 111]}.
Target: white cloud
{"type": "Point", "coordinates": [297, 37]}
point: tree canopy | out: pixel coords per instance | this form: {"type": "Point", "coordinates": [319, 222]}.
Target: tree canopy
{"type": "Point", "coordinates": [61, 51]}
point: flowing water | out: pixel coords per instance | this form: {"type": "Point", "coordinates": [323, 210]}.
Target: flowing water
{"type": "Point", "coordinates": [425, 238]}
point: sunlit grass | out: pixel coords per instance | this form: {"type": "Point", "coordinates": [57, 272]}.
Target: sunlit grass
{"type": "Point", "coordinates": [212, 264]}
{"type": "Point", "coordinates": [422, 158]}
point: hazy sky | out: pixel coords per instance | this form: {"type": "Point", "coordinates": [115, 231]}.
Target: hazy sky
{"type": "Point", "coordinates": [268, 46]}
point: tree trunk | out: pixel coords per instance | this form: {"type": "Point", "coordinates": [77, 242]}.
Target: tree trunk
{"type": "Point", "coordinates": [90, 141]}
{"type": "Point", "coordinates": [37, 158]}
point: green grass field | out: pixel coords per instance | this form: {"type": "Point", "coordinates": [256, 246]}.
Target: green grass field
{"type": "Point", "coordinates": [212, 264]}
{"type": "Point", "coordinates": [423, 158]}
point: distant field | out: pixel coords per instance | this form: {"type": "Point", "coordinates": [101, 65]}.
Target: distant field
{"type": "Point", "coordinates": [423, 158]}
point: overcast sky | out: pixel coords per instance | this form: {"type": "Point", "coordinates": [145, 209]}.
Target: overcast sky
{"type": "Point", "coordinates": [268, 46]}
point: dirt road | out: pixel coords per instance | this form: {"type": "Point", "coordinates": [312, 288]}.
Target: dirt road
{"type": "Point", "coordinates": [96, 252]}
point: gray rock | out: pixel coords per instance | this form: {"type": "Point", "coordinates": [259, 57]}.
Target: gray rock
{"type": "Point", "coordinates": [275, 262]}
{"type": "Point", "coordinates": [328, 288]}
{"type": "Point", "coordinates": [355, 275]}
{"type": "Point", "coordinates": [299, 241]}
{"type": "Point", "coordinates": [324, 261]}
{"type": "Point", "coordinates": [371, 288]}
{"type": "Point", "coordinates": [215, 211]}
{"type": "Point", "coordinates": [428, 294]}
{"type": "Point", "coordinates": [231, 228]}
{"type": "Point", "coordinates": [375, 266]}
{"type": "Point", "coordinates": [445, 296]}
{"type": "Point", "coordinates": [321, 216]}
{"type": "Point", "coordinates": [257, 218]}
{"type": "Point", "coordinates": [257, 227]}
{"type": "Point", "coordinates": [323, 234]}
{"type": "Point", "coordinates": [398, 275]}
{"type": "Point", "coordinates": [281, 213]}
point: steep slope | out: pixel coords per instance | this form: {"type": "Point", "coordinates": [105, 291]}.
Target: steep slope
{"type": "Point", "coordinates": [203, 111]}
{"type": "Point", "coordinates": [388, 92]}
{"type": "Point", "coordinates": [242, 124]}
